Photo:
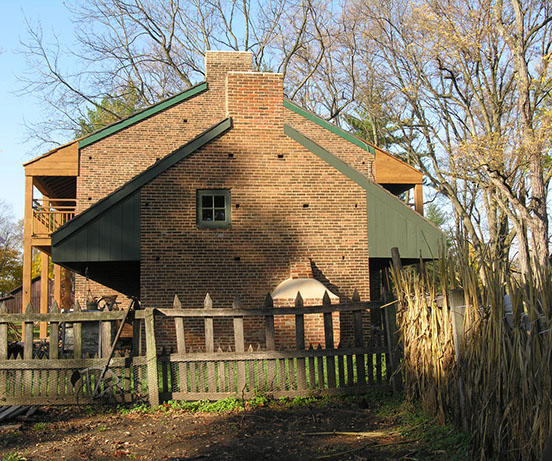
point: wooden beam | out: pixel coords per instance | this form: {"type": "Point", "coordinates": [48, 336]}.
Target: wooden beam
{"type": "Point", "coordinates": [419, 198]}
{"type": "Point", "coordinates": [44, 292]}
{"type": "Point", "coordinates": [391, 170]}
{"type": "Point", "coordinates": [27, 245]}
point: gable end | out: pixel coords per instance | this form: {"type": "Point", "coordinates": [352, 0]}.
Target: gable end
{"type": "Point", "coordinates": [138, 181]}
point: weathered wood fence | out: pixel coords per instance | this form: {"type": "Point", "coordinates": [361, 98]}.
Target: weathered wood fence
{"type": "Point", "coordinates": [212, 373]}
{"type": "Point", "coordinates": [45, 379]}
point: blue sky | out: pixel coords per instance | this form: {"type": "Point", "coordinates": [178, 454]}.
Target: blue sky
{"type": "Point", "coordinates": [15, 110]}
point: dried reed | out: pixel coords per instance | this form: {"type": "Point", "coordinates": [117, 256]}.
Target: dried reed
{"type": "Point", "coordinates": [506, 369]}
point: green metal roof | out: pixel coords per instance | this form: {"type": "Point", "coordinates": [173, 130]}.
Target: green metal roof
{"type": "Point", "coordinates": [329, 126]}
{"type": "Point", "coordinates": [391, 223]}
{"type": "Point", "coordinates": [139, 116]}
{"type": "Point", "coordinates": [120, 210]}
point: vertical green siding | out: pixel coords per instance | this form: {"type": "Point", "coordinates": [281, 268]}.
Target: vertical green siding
{"type": "Point", "coordinates": [114, 235]}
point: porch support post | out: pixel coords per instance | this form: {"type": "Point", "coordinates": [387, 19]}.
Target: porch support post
{"type": "Point", "coordinates": [44, 291]}
{"type": "Point", "coordinates": [419, 198]}
{"type": "Point", "coordinates": [57, 284]}
{"type": "Point", "coordinates": [27, 244]}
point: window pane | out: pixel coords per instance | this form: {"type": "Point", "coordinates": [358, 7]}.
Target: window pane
{"type": "Point", "coordinates": [220, 215]}
{"type": "Point", "coordinates": [207, 215]}
{"type": "Point", "coordinates": [219, 201]}
{"type": "Point", "coordinates": [207, 201]}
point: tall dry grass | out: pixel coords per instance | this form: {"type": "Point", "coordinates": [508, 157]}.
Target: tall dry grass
{"type": "Point", "coordinates": [506, 368]}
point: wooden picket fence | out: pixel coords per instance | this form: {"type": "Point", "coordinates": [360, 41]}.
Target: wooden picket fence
{"type": "Point", "coordinates": [215, 374]}
{"type": "Point", "coordinates": [209, 374]}
{"type": "Point", "coordinates": [45, 378]}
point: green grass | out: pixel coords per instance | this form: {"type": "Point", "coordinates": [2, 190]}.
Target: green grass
{"type": "Point", "coordinates": [438, 441]}
{"type": "Point", "coordinates": [13, 457]}
{"type": "Point", "coordinates": [39, 427]}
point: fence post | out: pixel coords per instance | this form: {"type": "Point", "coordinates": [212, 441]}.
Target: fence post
{"type": "Point", "coordinates": [239, 345]}
{"type": "Point", "coordinates": [270, 343]}
{"type": "Point", "coordinates": [28, 352]}
{"type": "Point", "coordinates": [180, 346]}
{"type": "Point", "coordinates": [300, 343]}
{"type": "Point", "coordinates": [457, 306]}
{"type": "Point", "coordinates": [209, 345]}
{"type": "Point", "coordinates": [77, 334]}
{"type": "Point", "coordinates": [105, 337]}
{"type": "Point", "coordinates": [151, 358]}
{"type": "Point", "coordinates": [329, 340]}
{"type": "Point", "coordinates": [391, 336]}
{"type": "Point", "coordinates": [269, 324]}
{"type": "Point", "coordinates": [359, 340]}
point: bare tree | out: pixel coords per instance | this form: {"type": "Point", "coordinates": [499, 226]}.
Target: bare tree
{"type": "Point", "coordinates": [457, 79]}
{"type": "Point", "coordinates": [157, 48]}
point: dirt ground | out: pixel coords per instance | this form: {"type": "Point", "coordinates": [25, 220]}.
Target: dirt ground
{"type": "Point", "coordinates": [262, 433]}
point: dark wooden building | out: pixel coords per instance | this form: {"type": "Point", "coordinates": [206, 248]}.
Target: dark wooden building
{"type": "Point", "coordinates": [14, 299]}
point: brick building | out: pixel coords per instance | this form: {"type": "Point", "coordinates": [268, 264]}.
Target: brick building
{"type": "Point", "coordinates": [226, 188]}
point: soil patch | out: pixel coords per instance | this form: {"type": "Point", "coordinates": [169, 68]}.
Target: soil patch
{"type": "Point", "coordinates": [272, 432]}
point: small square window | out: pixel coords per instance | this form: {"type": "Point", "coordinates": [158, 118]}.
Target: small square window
{"type": "Point", "coordinates": [213, 208]}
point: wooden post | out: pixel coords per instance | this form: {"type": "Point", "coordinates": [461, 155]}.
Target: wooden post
{"type": "Point", "coordinates": [419, 198]}
{"type": "Point", "coordinates": [396, 258]}
{"type": "Point", "coordinates": [359, 341]}
{"type": "Point", "coordinates": [105, 337]}
{"type": "Point", "coordinates": [457, 306]}
{"type": "Point", "coordinates": [54, 334]}
{"type": "Point", "coordinates": [210, 345]}
{"type": "Point", "coordinates": [329, 340]}
{"type": "Point", "coordinates": [44, 291]}
{"type": "Point", "coordinates": [57, 284]}
{"type": "Point", "coordinates": [269, 324]}
{"type": "Point", "coordinates": [300, 343]}
{"type": "Point", "coordinates": [136, 335]}
{"type": "Point", "coordinates": [239, 344]}
{"type": "Point", "coordinates": [27, 244]}
{"type": "Point", "coordinates": [28, 352]}
{"type": "Point", "coordinates": [392, 340]}
{"type": "Point", "coordinates": [54, 375]}
{"type": "Point", "coordinates": [151, 358]}
{"type": "Point", "coordinates": [77, 334]}
{"type": "Point", "coordinates": [270, 342]}
{"type": "Point", "coordinates": [180, 346]}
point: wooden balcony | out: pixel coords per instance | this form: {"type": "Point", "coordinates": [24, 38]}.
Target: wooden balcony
{"type": "Point", "coordinates": [49, 215]}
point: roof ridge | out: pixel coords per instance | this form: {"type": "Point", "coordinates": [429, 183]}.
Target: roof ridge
{"type": "Point", "coordinates": [314, 117]}
{"type": "Point", "coordinates": [142, 114]}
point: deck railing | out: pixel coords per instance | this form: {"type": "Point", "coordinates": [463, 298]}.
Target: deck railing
{"type": "Point", "coordinates": [50, 214]}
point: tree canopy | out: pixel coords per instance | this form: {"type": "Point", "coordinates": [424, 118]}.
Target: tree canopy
{"type": "Point", "coordinates": [11, 250]}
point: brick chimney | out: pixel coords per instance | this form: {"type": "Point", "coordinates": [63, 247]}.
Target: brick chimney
{"type": "Point", "coordinates": [219, 63]}
{"type": "Point", "coordinates": [255, 101]}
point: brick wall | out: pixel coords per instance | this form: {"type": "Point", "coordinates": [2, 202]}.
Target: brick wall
{"type": "Point", "coordinates": [287, 205]}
